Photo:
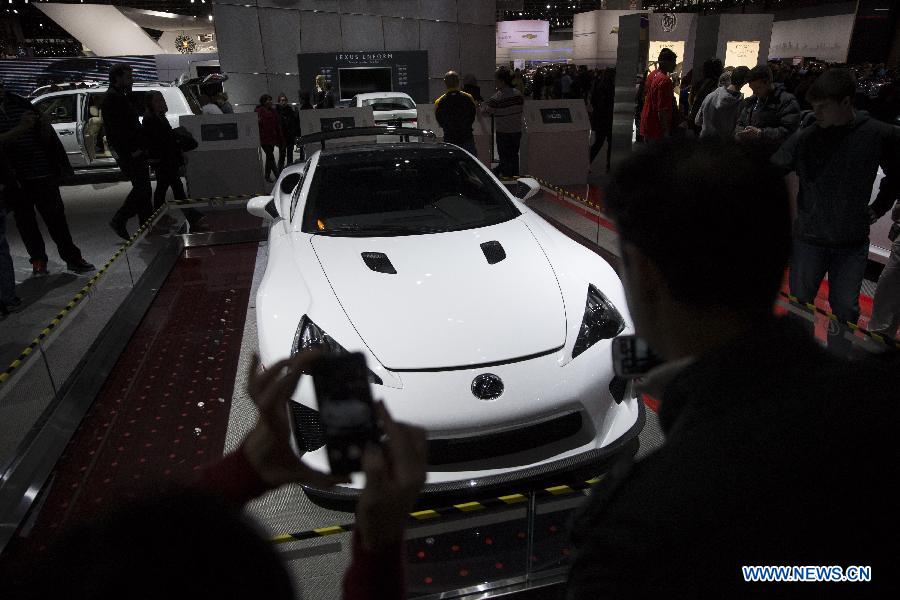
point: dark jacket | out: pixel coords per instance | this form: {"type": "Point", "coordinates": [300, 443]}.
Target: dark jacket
{"type": "Point", "coordinates": [775, 453]}
{"type": "Point", "coordinates": [122, 125]}
{"type": "Point", "coordinates": [837, 167]}
{"type": "Point", "coordinates": [778, 116]}
{"type": "Point", "coordinates": [324, 99]}
{"type": "Point", "coordinates": [47, 140]}
{"type": "Point", "coordinates": [162, 147]}
{"type": "Point", "coordinates": [289, 121]}
{"type": "Point", "coordinates": [455, 112]}
{"type": "Point", "coordinates": [474, 91]}
{"type": "Point", "coordinates": [602, 102]}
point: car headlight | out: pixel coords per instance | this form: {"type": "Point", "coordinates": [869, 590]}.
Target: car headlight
{"type": "Point", "coordinates": [601, 321]}
{"type": "Point", "coordinates": [310, 336]}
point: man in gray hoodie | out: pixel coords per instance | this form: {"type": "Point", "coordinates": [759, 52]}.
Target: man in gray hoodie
{"type": "Point", "coordinates": [719, 111]}
{"type": "Point", "coordinates": [837, 159]}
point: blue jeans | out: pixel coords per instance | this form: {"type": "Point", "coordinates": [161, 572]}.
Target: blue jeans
{"type": "Point", "coordinates": [845, 267]}
{"type": "Point", "coordinates": [7, 275]}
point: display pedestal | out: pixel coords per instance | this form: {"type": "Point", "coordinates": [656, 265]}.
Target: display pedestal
{"type": "Point", "coordinates": [555, 141]}
{"type": "Point", "coordinates": [333, 119]}
{"type": "Point", "coordinates": [227, 160]}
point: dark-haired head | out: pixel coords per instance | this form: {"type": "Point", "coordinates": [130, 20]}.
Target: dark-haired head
{"type": "Point", "coordinates": [265, 99]}
{"type": "Point", "coordinates": [739, 77]}
{"type": "Point", "coordinates": [704, 229]}
{"type": "Point", "coordinates": [831, 96]}
{"type": "Point", "coordinates": [118, 71]}
{"type": "Point", "coordinates": [503, 76]}
{"type": "Point", "coordinates": [667, 60]}
{"type": "Point", "coordinates": [712, 68]}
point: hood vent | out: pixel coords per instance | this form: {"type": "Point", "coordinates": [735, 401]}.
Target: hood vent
{"type": "Point", "coordinates": [493, 252]}
{"type": "Point", "coordinates": [379, 262]}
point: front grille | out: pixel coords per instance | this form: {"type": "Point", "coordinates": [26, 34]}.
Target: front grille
{"type": "Point", "coordinates": [308, 431]}
{"type": "Point", "coordinates": [492, 445]}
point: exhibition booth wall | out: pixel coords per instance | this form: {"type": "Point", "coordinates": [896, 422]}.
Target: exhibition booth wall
{"type": "Point", "coordinates": [259, 40]}
{"type": "Point", "coordinates": [595, 37]}
{"type": "Point", "coordinates": [826, 38]}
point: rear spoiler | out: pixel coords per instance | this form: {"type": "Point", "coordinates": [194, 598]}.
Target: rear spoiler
{"type": "Point", "coordinates": [404, 133]}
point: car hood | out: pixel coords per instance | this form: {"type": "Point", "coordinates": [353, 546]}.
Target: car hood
{"type": "Point", "coordinates": [446, 306]}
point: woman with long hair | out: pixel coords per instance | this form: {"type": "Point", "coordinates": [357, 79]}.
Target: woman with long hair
{"type": "Point", "coordinates": [165, 156]}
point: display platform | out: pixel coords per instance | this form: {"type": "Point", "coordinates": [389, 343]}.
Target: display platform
{"type": "Point", "coordinates": [158, 389]}
{"type": "Point", "coordinates": [161, 391]}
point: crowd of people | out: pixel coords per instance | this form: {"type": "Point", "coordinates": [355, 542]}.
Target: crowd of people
{"type": "Point", "coordinates": [835, 150]}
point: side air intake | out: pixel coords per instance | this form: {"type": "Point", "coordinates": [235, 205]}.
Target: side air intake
{"type": "Point", "coordinates": [493, 252]}
{"type": "Point", "coordinates": [379, 262]}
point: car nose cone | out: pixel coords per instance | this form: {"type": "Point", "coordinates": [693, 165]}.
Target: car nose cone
{"type": "Point", "coordinates": [487, 386]}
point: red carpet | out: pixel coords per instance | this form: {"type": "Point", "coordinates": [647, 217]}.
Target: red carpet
{"type": "Point", "coordinates": [164, 410]}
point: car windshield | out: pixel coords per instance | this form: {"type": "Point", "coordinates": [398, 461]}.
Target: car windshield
{"type": "Point", "coordinates": [392, 103]}
{"type": "Point", "coordinates": [402, 192]}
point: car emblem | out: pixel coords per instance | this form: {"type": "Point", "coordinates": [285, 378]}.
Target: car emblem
{"type": "Point", "coordinates": [487, 386]}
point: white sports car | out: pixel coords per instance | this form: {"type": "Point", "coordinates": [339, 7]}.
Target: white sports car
{"type": "Point", "coordinates": [389, 106]}
{"type": "Point", "coordinates": [479, 320]}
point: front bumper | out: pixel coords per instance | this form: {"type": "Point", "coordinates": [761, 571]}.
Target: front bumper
{"type": "Point", "coordinates": [557, 472]}
{"type": "Point", "coordinates": [553, 416]}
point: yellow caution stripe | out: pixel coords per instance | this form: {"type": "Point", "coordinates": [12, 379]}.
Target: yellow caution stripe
{"type": "Point", "coordinates": [881, 339]}
{"type": "Point", "coordinates": [498, 502]}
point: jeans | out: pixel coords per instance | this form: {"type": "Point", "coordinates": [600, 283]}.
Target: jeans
{"type": "Point", "coordinates": [886, 307]}
{"type": "Point", "coordinates": [286, 153]}
{"type": "Point", "coordinates": [139, 201]}
{"type": "Point", "coordinates": [43, 194]}
{"type": "Point", "coordinates": [508, 149]}
{"type": "Point", "coordinates": [846, 268]}
{"type": "Point", "coordinates": [7, 275]}
{"type": "Point", "coordinates": [269, 151]}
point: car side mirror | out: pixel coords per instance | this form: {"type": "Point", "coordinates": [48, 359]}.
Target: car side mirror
{"type": "Point", "coordinates": [262, 207]}
{"type": "Point", "coordinates": [526, 187]}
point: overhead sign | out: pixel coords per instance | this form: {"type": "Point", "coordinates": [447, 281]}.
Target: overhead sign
{"type": "Point", "coordinates": [373, 71]}
{"type": "Point", "coordinates": [519, 34]}
{"type": "Point", "coordinates": [741, 54]}
{"type": "Point", "coordinates": [656, 47]}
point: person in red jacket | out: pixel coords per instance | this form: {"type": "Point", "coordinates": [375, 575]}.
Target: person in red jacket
{"type": "Point", "coordinates": [269, 133]}
{"type": "Point", "coordinates": [659, 102]}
